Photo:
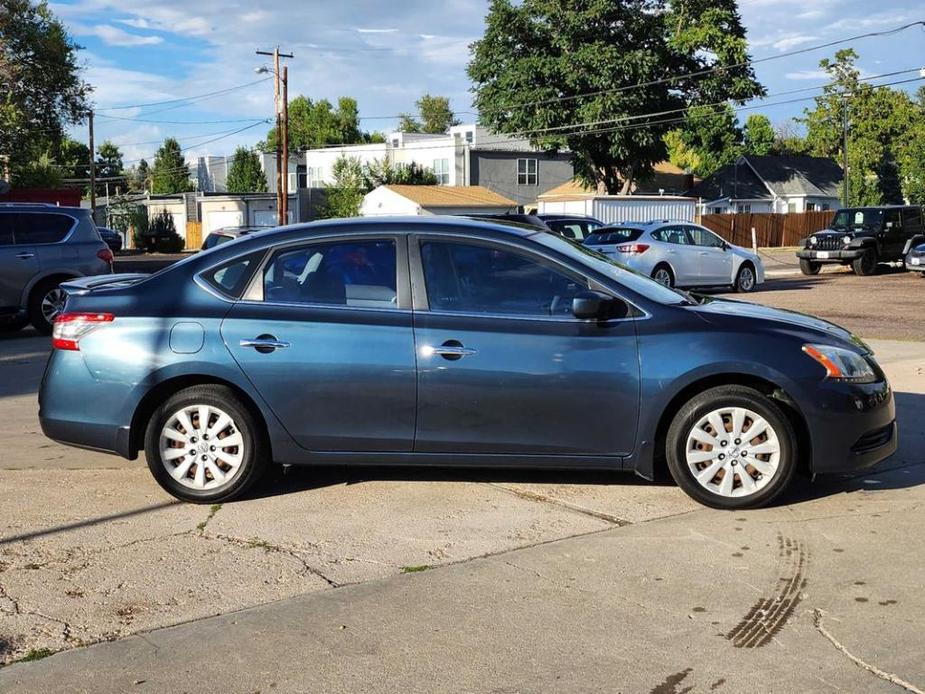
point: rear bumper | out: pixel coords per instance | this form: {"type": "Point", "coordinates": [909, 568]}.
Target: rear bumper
{"type": "Point", "coordinates": [105, 438]}
{"type": "Point", "coordinates": [839, 256]}
{"type": "Point", "coordinates": [915, 268]}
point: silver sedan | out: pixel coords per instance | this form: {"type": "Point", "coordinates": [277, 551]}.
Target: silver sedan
{"type": "Point", "coordinates": [679, 254]}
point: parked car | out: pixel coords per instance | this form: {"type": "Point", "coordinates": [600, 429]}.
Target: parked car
{"type": "Point", "coordinates": [225, 234]}
{"type": "Point", "coordinates": [571, 226]}
{"type": "Point", "coordinates": [864, 237]}
{"type": "Point", "coordinates": [112, 238]}
{"type": "Point", "coordinates": [680, 254]}
{"type": "Point", "coordinates": [40, 247]}
{"type": "Point", "coordinates": [442, 341]}
{"type": "Point", "coordinates": [915, 259]}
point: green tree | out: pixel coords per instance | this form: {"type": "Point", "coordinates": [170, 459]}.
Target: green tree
{"type": "Point", "coordinates": [568, 75]}
{"type": "Point", "coordinates": [315, 124]}
{"type": "Point", "coordinates": [436, 115]}
{"type": "Point", "coordinates": [343, 197]}
{"type": "Point", "coordinates": [108, 160]}
{"type": "Point", "coordinates": [138, 177]}
{"type": "Point", "coordinates": [408, 123]}
{"type": "Point", "coordinates": [788, 140]}
{"type": "Point", "coordinates": [882, 127]}
{"type": "Point", "coordinates": [708, 141]}
{"type": "Point", "coordinates": [382, 172]}
{"type": "Point", "coordinates": [170, 173]}
{"type": "Point", "coordinates": [758, 135]}
{"type": "Point", "coordinates": [74, 158]}
{"type": "Point", "coordinates": [41, 91]}
{"type": "Point", "coordinates": [245, 174]}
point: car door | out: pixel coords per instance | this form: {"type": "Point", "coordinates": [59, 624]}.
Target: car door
{"type": "Point", "coordinates": [18, 263]}
{"type": "Point", "coordinates": [894, 236]}
{"type": "Point", "coordinates": [503, 365]}
{"type": "Point", "coordinates": [714, 261]}
{"type": "Point", "coordinates": [679, 252]}
{"type": "Point", "coordinates": [324, 334]}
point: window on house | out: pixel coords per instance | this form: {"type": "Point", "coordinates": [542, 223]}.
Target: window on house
{"type": "Point", "coordinates": [791, 207]}
{"type": "Point", "coordinates": [745, 207]}
{"type": "Point", "coordinates": [469, 136]}
{"type": "Point", "coordinates": [315, 176]}
{"type": "Point", "coordinates": [825, 207]}
{"type": "Point", "coordinates": [810, 207]}
{"type": "Point", "coordinates": [442, 171]}
{"type": "Point", "coordinates": [527, 172]}
{"type": "Point", "coordinates": [395, 142]}
{"type": "Point", "coordinates": [303, 179]}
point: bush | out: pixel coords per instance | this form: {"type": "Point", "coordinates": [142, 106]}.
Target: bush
{"type": "Point", "coordinates": [162, 236]}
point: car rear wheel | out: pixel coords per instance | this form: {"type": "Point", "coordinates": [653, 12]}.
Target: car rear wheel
{"type": "Point", "coordinates": [45, 303]}
{"type": "Point", "coordinates": [809, 267]}
{"type": "Point", "coordinates": [866, 264]}
{"type": "Point", "coordinates": [663, 275]}
{"type": "Point", "coordinates": [205, 446]}
{"type": "Point", "coordinates": [731, 447]}
{"type": "Point", "coordinates": [746, 280]}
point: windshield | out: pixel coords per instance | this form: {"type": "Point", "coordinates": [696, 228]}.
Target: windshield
{"type": "Point", "coordinates": [632, 280]}
{"type": "Point", "coordinates": [857, 219]}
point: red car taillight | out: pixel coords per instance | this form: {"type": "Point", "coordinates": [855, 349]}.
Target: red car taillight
{"type": "Point", "coordinates": [69, 328]}
{"type": "Point", "coordinates": [633, 248]}
{"type": "Point", "coordinates": [105, 255]}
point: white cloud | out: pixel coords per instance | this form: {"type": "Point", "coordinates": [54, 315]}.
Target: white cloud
{"type": "Point", "coordinates": [115, 36]}
{"type": "Point", "coordinates": [788, 42]}
{"type": "Point", "coordinates": [807, 75]}
{"type": "Point", "coordinates": [376, 31]}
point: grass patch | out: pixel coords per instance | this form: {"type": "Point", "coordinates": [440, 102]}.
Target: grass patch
{"type": "Point", "coordinates": [415, 569]}
{"type": "Point", "coordinates": [35, 654]}
{"type": "Point", "coordinates": [256, 542]}
{"type": "Point", "coordinates": [213, 509]}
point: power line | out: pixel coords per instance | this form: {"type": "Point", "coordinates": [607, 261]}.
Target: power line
{"type": "Point", "coordinates": [179, 122]}
{"type": "Point", "coordinates": [185, 98]}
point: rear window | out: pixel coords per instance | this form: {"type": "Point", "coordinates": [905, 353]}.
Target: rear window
{"type": "Point", "coordinates": [608, 236]}
{"type": "Point", "coordinates": [39, 227]}
{"type": "Point", "coordinates": [230, 278]}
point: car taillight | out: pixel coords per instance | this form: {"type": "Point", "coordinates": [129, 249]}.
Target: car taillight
{"type": "Point", "coordinates": [69, 328]}
{"type": "Point", "coordinates": [105, 255]}
{"type": "Point", "coordinates": [633, 248]}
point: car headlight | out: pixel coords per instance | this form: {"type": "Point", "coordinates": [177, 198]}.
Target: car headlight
{"type": "Point", "coordinates": [841, 364]}
{"type": "Point", "coordinates": [813, 240]}
{"type": "Point", "coordinates": [846, 240]}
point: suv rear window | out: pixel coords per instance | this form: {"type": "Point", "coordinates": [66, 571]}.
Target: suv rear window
{"type": "Point", "coordinates": [39, 227]}
{"type": "Point", "coordinates": [607, 236]}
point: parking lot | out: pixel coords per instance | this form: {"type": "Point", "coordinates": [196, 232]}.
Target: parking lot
{"type": "Point", "coordinates": [634, 575]}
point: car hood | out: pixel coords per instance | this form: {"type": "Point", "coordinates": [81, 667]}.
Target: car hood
{"type": "Point", "coordinates": [717, 309]}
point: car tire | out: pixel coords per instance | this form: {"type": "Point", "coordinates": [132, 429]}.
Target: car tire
{"type": "Point", "coordinates": [662, 274]}
{"type": "Point", "coordinates": [866, 265]}
{"type": "Point", "coordinates": [746, 279]}
{"type": "Point", "coordinates": [771, 454]}
{"type": "Point", "coordinates": [45, 302]}
{"type": "Point", "coordinates": [193, 474]}
{"type": "Point", "coordinates": [810, 267]}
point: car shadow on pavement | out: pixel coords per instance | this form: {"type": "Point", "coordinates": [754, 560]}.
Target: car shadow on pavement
{"type": "Point", "coordinates": [906, 468]}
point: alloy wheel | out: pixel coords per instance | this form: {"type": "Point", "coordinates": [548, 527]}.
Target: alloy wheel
{"type": "Point", "coordinates": [53, 304]}
{"type": "Point", "coordinates": [733, 452]}
{"type": "Point", "coordinates": [746, 279]}
{"type": "Point", "coordinates": [201, 447]}
{"type": "Point", "coordinates": [662, 276]}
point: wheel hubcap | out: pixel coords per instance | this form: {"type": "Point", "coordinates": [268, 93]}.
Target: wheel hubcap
{"type": "Point", "coordinates": [663, 277]}
{"type": "Point", "coordinates": [201, 447]}
{"type": "Point", "coordinates": [53, 304]}
{"type": "Point", "coordinates": [747, 280]}
{"type": "Point", "coordinates": [733, 452]}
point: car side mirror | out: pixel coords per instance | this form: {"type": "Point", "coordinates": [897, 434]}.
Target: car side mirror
{"type": "Point", "coordinates": [598, 306]}
{"type": "Point", "coordinates": [725, 246]}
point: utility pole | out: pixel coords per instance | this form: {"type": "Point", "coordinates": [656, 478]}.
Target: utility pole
{"type": "Point", "coordinates": [844, 127]}
{"type": "Point", "coordinates": [285, 214]}
{"type": "Point", "coordinates": [92, 170]}
{"type": "Point", "coordinates": [277, 93]}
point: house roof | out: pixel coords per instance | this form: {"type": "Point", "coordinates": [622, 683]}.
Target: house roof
{"type": "Point", "coordinates": [451, 196]}
{"type": "Point", "coordinates": [760, 178]}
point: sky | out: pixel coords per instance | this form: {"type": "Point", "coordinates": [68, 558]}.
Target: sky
{"type": "Point", "coordinates": [385, 55]}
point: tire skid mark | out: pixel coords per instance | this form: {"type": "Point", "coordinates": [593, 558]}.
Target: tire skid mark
{"type": "Point", "coordinates": [769, 615]}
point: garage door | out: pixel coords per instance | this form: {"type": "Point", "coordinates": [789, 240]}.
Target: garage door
{"type": "Point", "coordinates": [223, 218]}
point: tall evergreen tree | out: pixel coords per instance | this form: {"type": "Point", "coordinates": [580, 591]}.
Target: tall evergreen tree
{"type": "Point", "coordinates": [436, 115]}
{"type": "Point", "coordinates": [170, 173]}
{"type": "Point", "coordinates": [245, 174]}
{"type": "Point", "coordinates": [578, 75]}
{"type": "Point", "coordinates": [758, 135]}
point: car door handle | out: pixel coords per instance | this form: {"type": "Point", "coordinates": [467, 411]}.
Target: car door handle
{"type": "Point", "coordinates": [25, 256]}
{"type": "Point", "coordinates": [264, 344]}
{"type": "Point", "coordinates": [451, 350]}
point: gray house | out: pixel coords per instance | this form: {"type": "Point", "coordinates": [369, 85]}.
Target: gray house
{"type": "Point", "coordinates": [771, 184]}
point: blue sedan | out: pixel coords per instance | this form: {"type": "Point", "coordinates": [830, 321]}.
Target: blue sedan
{"type": "Point", "coordinates": [444, 341]}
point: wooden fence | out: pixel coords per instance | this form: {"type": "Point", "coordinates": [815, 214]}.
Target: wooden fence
{"type": "Point", "coordinates": [193, 236]}
{"type": "Point", "coordinates": [771, 229]}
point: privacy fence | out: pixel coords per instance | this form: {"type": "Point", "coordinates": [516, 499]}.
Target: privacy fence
{"type": "Point", "coordinates": [770, 229]}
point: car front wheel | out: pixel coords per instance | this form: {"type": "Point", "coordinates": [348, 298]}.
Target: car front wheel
{"type": "Point", "coordinates": [866, 264]}
{"type": "Point", "coordinates": [809, 267]}
{"type": "Point", "coordinates": [203, 445]}
{"type": "Point", "coordinates": [731, 447]}
{"type": "Point", "coordinates": [746, 280]}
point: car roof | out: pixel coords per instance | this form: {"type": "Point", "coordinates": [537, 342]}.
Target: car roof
{"type": "Point", "coordinates": [43, 207]}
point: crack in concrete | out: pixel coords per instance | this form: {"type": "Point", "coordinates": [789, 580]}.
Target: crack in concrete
{"type": "Point", "coordinates": [872, 669]}
{"type": "Point", "coordinates": [575, 508]}
{"type": "Point", "coordinates": [270, 547]}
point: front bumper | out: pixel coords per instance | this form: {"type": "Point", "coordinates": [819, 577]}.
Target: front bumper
{"type": "Point", "coordinates": [915, 268]}
{"type": "Point", "coordinates": [842, 255]}
{"type": "Point", "coordinates": [851, 426]}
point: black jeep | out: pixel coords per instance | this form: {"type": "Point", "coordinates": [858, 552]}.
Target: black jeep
{"type": "Point", "coordinates": [864, 237]}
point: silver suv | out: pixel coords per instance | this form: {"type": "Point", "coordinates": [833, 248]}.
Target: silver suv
{"type": "Point", "coordinates": [41, 246]}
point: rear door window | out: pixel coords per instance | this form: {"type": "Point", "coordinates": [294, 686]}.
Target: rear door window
{"type": "Point", "coordinates": [361, 274]}
{"type": "Point", "coordinates": [41, 227]}
{"type": "Point", "coordinates": [7, 223]}
{"type": "Point", "coordinates": [675, 235]}
{"type": "Point", "coordinates": [604, 237]}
